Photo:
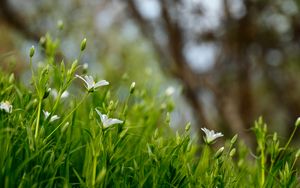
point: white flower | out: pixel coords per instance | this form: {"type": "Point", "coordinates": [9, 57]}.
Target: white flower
{"type": "Point", "coordinates": [170, 91]}
{"type": "Point", "coordinates": [107, 121]}
{"type": "Point", "coordinates": [64, 95]}
{"type": "Point", "coordinates": [53, 118]}
{"type": "Point", "coordinates": [6, 106]}
{"type": "Point", "coordinates": [91, 85]}
{"type": "Point", "coordinates": [210, 135]}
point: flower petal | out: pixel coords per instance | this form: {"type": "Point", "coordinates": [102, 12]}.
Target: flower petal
{"type": "Point", "coordinates": [87, 84]}
{"type": "Point", "coordinates": [103, 117]}
{"type": "Point", "coordinates": [46, 113]}
{"type": "Point", "coordinates": [112, 121]}
{"type": "Point", "coordinates": [53, 118]}
{"type": "Point", "coordinates": [101, 83]}
{"type": "Point", "coordinates": [90, 80]}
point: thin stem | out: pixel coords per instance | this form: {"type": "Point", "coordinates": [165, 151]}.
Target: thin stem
{"type": "Point", "coordinates": [33, 77]}
{"type": "Point", "coordinates": [262, 167]}
{"type": "Point", "coordinates": [124, 112]}
{"type": "Point", "coordinates": [94, 170]}
{"type": "Point", "coordinates": [290, 139]}
{"type": "Point", "coordinates": [38, 118]}
{"type": "Point", "coordinates": [57, 101]}
{"type": "Point", "coordinates": [295, 160]}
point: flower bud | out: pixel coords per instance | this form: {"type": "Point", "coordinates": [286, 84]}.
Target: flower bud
{"type": "Point", "coordinates": [85, 67]}
{"type": "Point", "coordinates": [132, 87]}
{"type": "Point", "coordinates": [168, 119]}
{"type": "Point", "coordinates": [31, 53]}
{"type": "Point", "coordinates": [232, 152]}
{"type": "Point", "coordinates": [178, 139]}
{"type": "Point", "coordinates": [219, 153]}
{"type": "Point", "coordinates": [11, 78]}
{"type": "Point", "coordinates": [274, 136]}
{"type": "Point", "coordinates": [188, 127]}
{"type": "Point", "coordinates": [65, 127]}
{"type": "Point", "coordinates": [43, 41]}
{"type": "Point", "coordinates": [155, 136]}
{"type": "Point", "coordinates": [83, 44]}
{"type": "Point", "coordinates": [123, 133]}
{"type": "Point", "coordinates": [60, 24]}
{"type": "Point", "coordinates": [233, 140]}
{"type": "Point", "coordinates": [297, 124]}
{"type": "Point", "coordinates": [110, 105]}
{"type": "Point", "coordinates": [297, 154]}
{"type": "Point", "coordinates": [46, 94]}
{"type": "Point", "coordinates": [189, 147]}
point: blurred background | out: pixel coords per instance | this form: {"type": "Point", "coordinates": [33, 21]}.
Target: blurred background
{"type": "Point", "coordinates": [224, 62]}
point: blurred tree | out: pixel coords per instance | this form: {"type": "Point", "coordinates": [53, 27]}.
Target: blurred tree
{"type": "Point", "coordinates": [250, 50]}
{"type": "Point", "coordinates": [256, 58]}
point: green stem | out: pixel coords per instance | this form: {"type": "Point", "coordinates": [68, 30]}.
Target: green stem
{"type": "Point", "coordinates": [38, 118]}
{"type": "Point", "coordinates": [290, 139]}
{"type": "Point", "coordinates": [33, 78]}
{"type": "Point", "coordinates": [262, 167]}
{"type": "Point", "coordinates": [94, 170]}
{"type": "Point", "coordinates": [57, 101]}
{"type": "Point", "coordinates": [124, 112]}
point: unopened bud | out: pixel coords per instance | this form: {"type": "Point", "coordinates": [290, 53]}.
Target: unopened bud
{"type": "Point", "coordinates": [189, 147]}
{"type": "Point", "coordinates": [297, 154]}
{"type": "Point", "coordinates": [43, 42]}
{"type": "Point", "coordinates": [123, 133]}
{"type": "Point", "coordinates": [297, 124]}
{"type": "Point", "coordinates": [85, 67]}
{"type": "Point", "coordinates": [232, 152]}
{"type": "Point", "coordinates": [274, 136]}
{"type": "Point", "coordinates": [168, 119]}
{"type": "Point", "coordinates": [11, 78]}
{"type": "Point", "coordinates": [155, 136]}
{"type": "Point", "coordinates": [101, 175]}
{"type": "Point", "coordinates": [219, 153]}
{"type": "Point", "coordinates": [31, 53]}
{"type": "Point", "coordinates": [60, 24]}
{"type": "Point", "coordinates": [83, 44]}
{"type": "Point", "coordinates": [132, 87]}
{"type": "Point", "coordinates": [188, 127]}
{"type": "Point", "coordinates": [64, 128]}
{"type": "Point", "coordinates": [233, 140]}
{"type": "Point", "coordinates": [46, 94]}
{"type": "Point", "coordinates": [110, 105]}
{"type": "Point", "coordinates": [265, 128]}
{"type": "Point", "coordinates": [178, 139]}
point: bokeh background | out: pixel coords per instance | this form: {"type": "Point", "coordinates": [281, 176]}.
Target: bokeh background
{"type": "Point", "coordinates": [225, 62]}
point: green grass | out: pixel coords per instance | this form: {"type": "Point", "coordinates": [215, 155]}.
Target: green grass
{"type": "Point", "coordinates": [77, 150]}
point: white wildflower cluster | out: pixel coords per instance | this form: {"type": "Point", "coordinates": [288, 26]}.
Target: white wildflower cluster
{"type": "Point", "coordinates": [91, 86]}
